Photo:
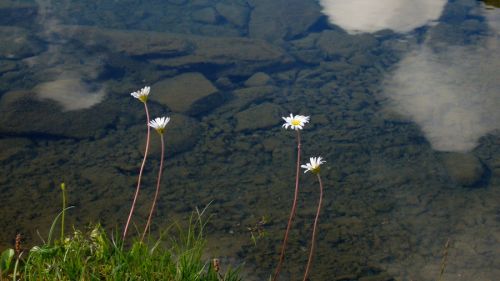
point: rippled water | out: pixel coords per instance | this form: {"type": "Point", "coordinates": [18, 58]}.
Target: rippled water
{"type": "Point", "coordinates": [403, 98]}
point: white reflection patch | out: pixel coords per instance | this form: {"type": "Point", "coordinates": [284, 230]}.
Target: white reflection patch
{"type": "Point", "coordinates": [71, 93]}
{"type": "Point", "coordinates": [370, 16]}
{"type": "Point", "coordinates": [65, 72]}
{"type": "Point", "coordinates": [453, 95]}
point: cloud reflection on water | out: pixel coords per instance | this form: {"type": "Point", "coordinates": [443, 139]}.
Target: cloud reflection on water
{"type": "Point", "coordinates": [370, 16]}
{"type": "Point", "coordinates": [71, 93]}
{"type": "Point", "coordinates": [452, 94]}
{"type": "Point", "coordinates": [66, 83]}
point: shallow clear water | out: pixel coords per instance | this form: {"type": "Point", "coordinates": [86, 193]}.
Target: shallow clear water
{"type": "Point", "coordinates": [403, 98]}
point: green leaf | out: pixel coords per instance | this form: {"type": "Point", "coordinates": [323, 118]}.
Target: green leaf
{"type": "Point", "coordinates": [6, 259]}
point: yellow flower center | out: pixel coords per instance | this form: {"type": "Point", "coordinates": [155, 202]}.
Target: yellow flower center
{"type": "Point", "coordinates": [295, 122]}
{"type": "Point", "coordinates": [143, 98]}
{"type": "Point", "coordinates": [315, 170]}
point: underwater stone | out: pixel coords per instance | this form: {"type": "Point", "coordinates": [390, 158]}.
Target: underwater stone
{"type": "Point", "coordinates": [224, 83]}
{"type": "Point", "coordinates": [464, 168]}
{"type": "Point", "coordinates": [133, 43]}
{"type": "Point", "coordinates": [177, 2]}
{"type": "Point", "coordinates": [338, 44]}
{"type": "Point", "coordinates": [205, 15]}
{"type": "Point", "coordinates": [46, 118]}
{"type": "Point", "coordinates": [262, 116]}
{"type": "Point", "coordinates": [258, 79]}
{"type": "Point", "coordinates": [181, 134]}
{"type": "Point", "coordinates": [233, 13]}
{"type": "Point", "coordinates": [244, 97]}
{"type": "Point", "coordinates": [238, 56]}
{"type": "Point", "coordinates": [189, 93]}
{"type": "Point", "coordinates": [308, 56]}
{"type": "Point", "coordinates": [12, 11]}
{"type": "Point", "coordinates": [11, 146]}
{"type": "Point", "coordinates": [294, 18]}
{"type": "Point", "coordinates": [17, 43]}
{"type": "Point", "coordinates": [7, 65]}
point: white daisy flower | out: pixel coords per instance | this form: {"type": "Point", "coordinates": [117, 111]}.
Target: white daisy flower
{"type": "Point", "coordinates": [313, 165]}
{"type": "Point", "coordinates": [159, 124]}
{"type": "Point", "coordinates": [295, 122]}
{"type": "Point", "coordinates": [142, 94]}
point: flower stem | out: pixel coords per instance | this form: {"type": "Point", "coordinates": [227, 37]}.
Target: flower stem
{"type": "Point", "coordinates": [313, 239]}
{"type": "Point", "coordinates": [63, 189]}
{"type": "Point", "coordinates": [157, 188]}
{"type": "Point", "coordinates": [140, 173]}
{"type": "Point", "coordinates": [292, 212]}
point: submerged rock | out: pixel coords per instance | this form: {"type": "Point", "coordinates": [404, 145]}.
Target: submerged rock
{"type": "Point", "coordinates": [262, 116]}
{"type": "Point", "coordinates": [293, 19]}
{"type": "Point", "coordinates": [334, 44]}
{"type": "Point", "coordinates": [132, 43]}
{"type": "Point", "coordinates": [18, 43]}
{"type": "Point", "coordinates": [246, 96]}
{"type": "Point", "coordinates": [8, 65]}
{"type": "Point", "coordinates": [181, 134]}
{"type": "Point", "coordinates": [205, 15]}
{"type": "Point", "coordinates": [233, 13]}
{"type": "Point", "coordinates": [12, 11]}
{"type": "Point", "coordinates": [258, 79]}
{"type": "Point", "coordinates": [465, 168]}
{"type": "Point", "coordinates": [46, 118]}
{"type": "Point", "coordinates": [189, 93]}
{"type": "Point", "coordinates": [177, 2]}
{"type": "Point", "coordinates": [11, 146]}
{"type": "Point", "coordinates": [238, 56]}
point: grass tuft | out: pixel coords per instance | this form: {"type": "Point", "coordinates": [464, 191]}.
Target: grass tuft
{"type": "Point", "coordinates": [94, 255]}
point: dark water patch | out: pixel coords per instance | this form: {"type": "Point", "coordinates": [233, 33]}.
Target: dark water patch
{"type": "Point", "coordinates": [36, 136]}
{"type": "Point", "coordinates": [210, 70]}
{"type": "Point", "coordinates": [12, 11]}
{"type": "Point", "coordinates": [320, 25]}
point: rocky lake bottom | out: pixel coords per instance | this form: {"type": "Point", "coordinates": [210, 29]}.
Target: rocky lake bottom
{"type": "Point", "coordinates": [398, 183]}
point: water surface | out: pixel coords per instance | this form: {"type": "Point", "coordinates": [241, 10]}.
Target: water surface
{"type": "Point", "coordinates": [403, 98]}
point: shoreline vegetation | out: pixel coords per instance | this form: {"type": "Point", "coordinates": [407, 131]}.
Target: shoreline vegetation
{"type": "Point", "coordinates": [94, 255]}
{"type": "Point", "coordinates": [178, 253]}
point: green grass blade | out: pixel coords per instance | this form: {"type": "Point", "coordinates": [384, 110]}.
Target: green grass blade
{"type": "Point", "coordinates": [52, 227]}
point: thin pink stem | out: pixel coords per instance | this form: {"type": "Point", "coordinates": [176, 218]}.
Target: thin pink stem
{"type": "Point", "coordinates": [292, 212]}
{"type": "Point", "coordinates": [140, 173]}
{"type": "Point", "coordinates": [157, 188]}
{"type": "Point", "coordinates": [313, 239]}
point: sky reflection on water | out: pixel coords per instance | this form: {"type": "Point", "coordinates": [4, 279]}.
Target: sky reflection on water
{"type": "Point", "coordinates": [448, 91]}
{"type": "Point", "coordinates": [403, 98]}
{"type": "Point", "coordinates": [448, 88]}
{"type": "Point", "coordinates": [371, 16]}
